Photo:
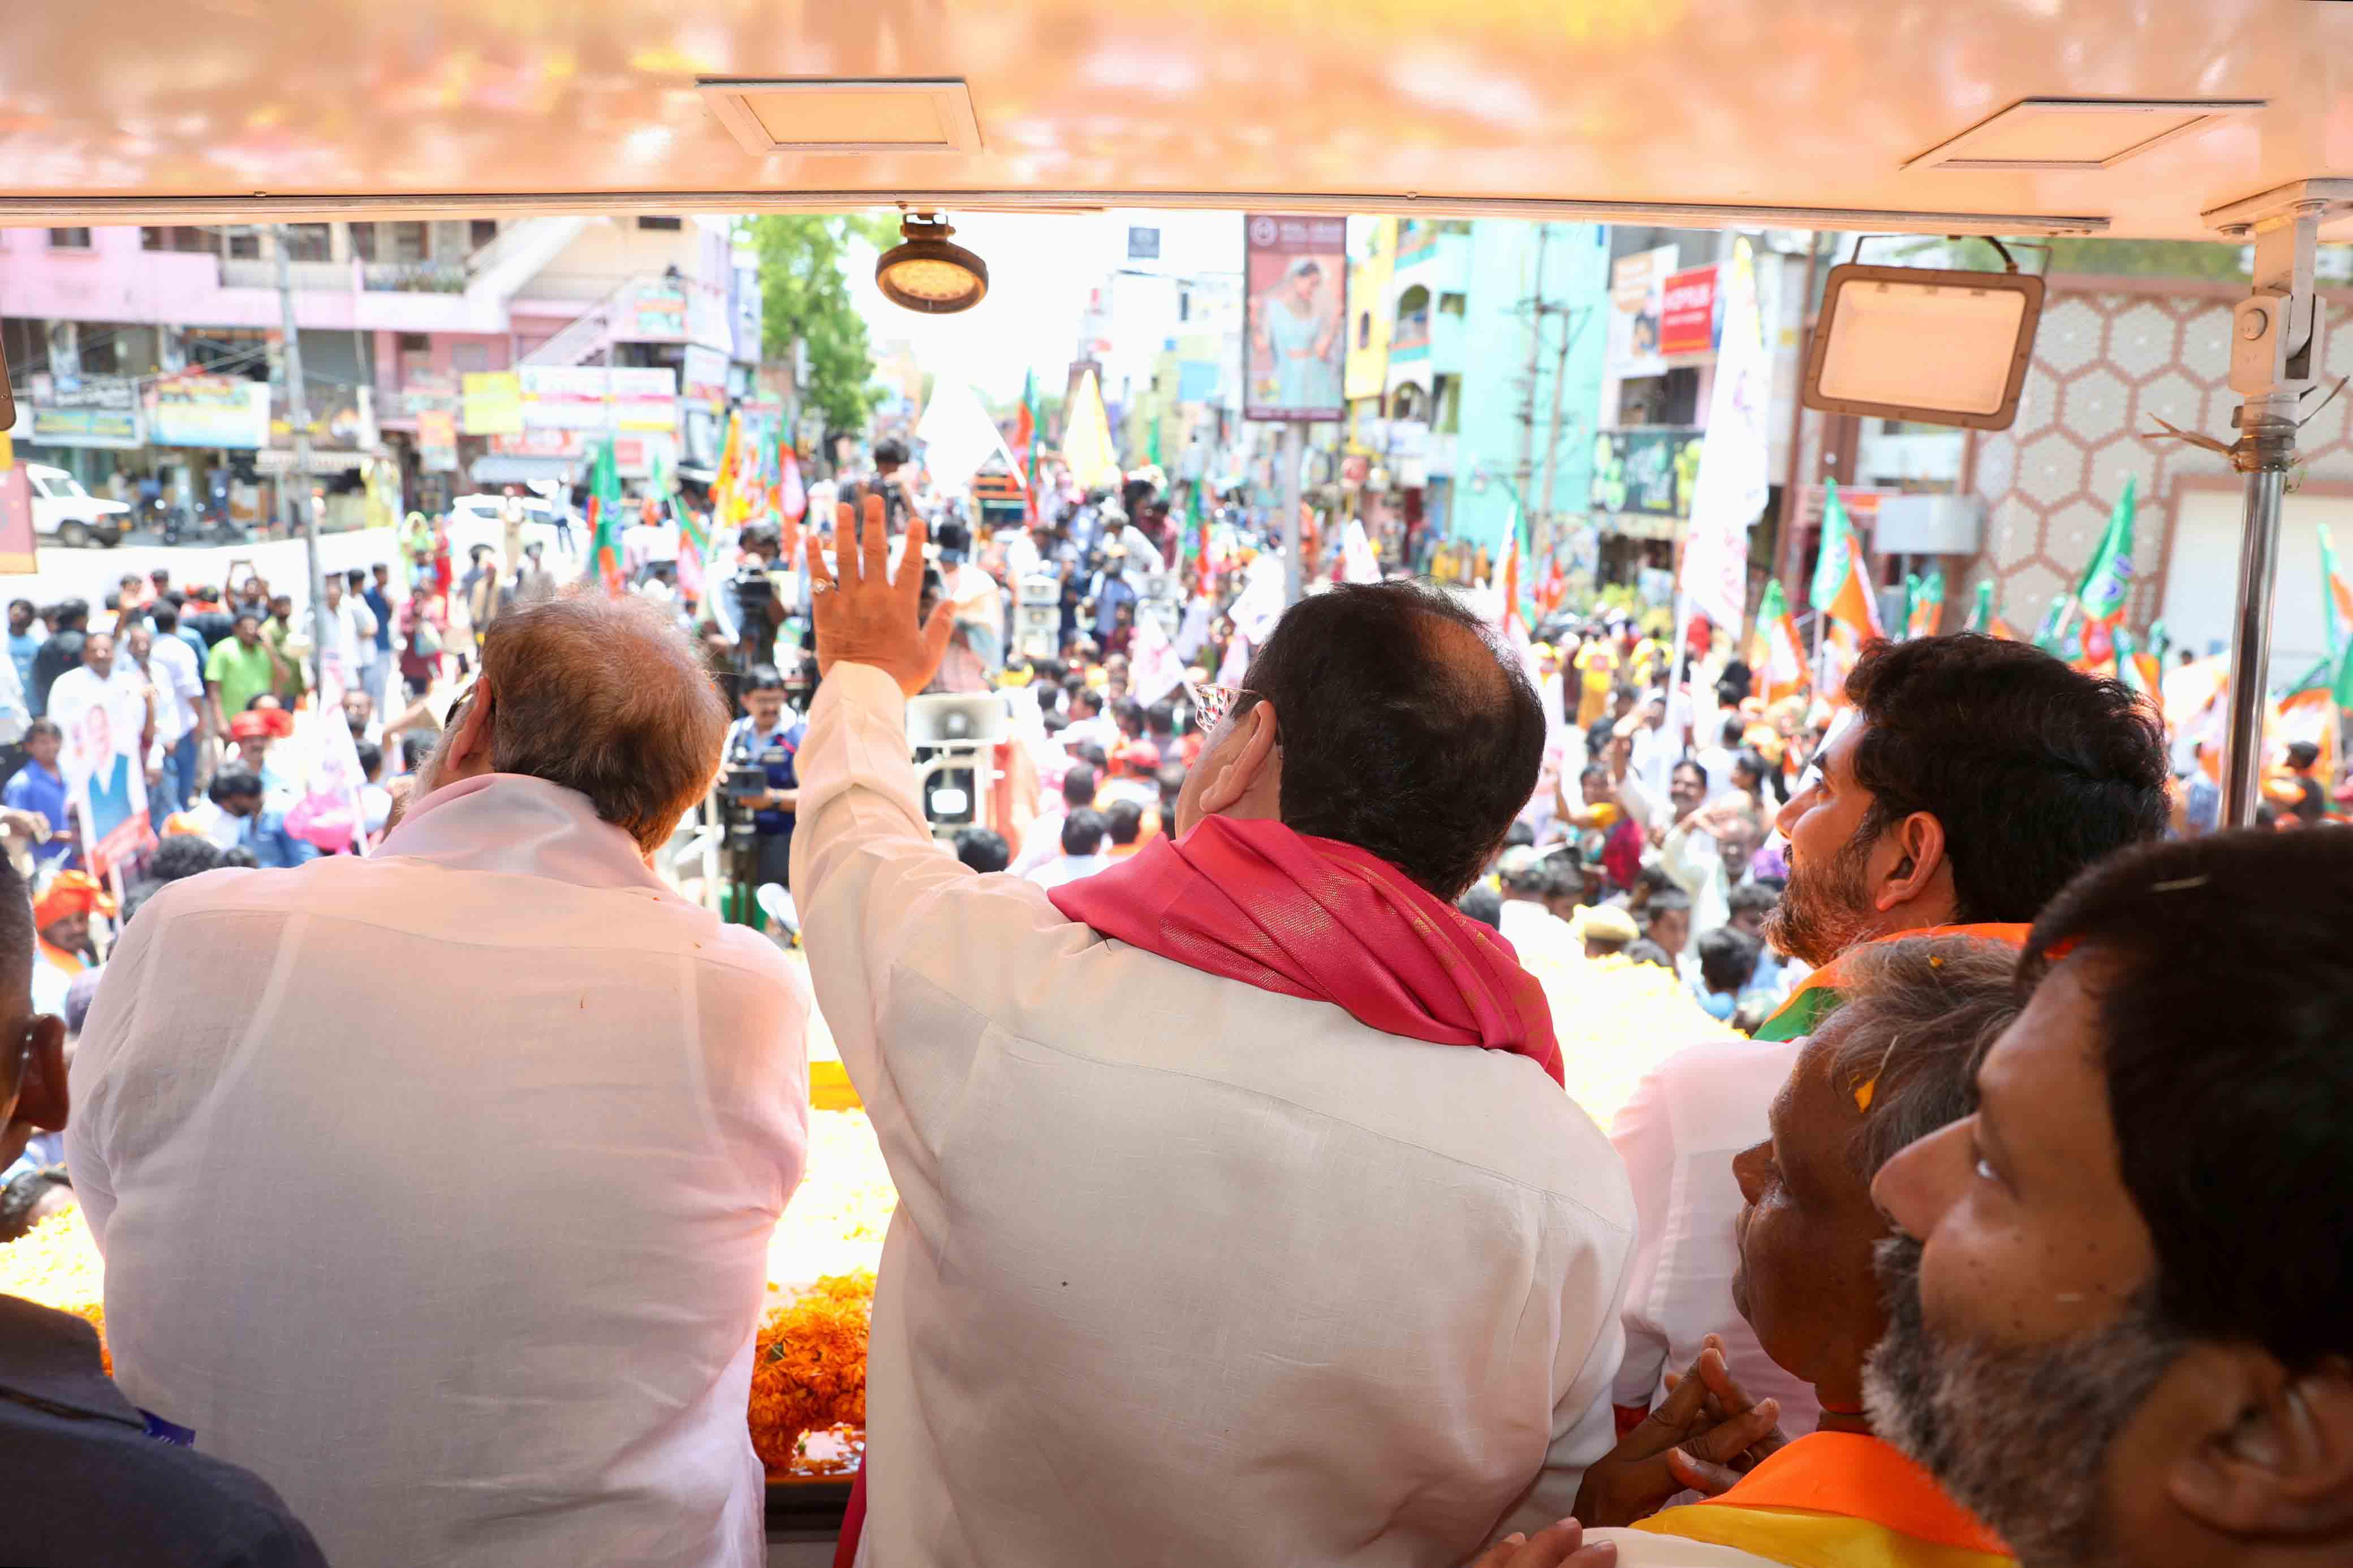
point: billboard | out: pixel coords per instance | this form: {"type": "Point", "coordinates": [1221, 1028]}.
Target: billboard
{"type": "Point", "coordinates": [99, 411]}
{"type": "Point", "coordinates": [208, 411]}
{"type": "Point", "coordinates": [492, 403]}
{"type": "Point", "coordinates": [594, 397]}
{"type": "Point", "coordinates": [1638, 287]}
{"type": "Point", "coordinates": [1295, 277]}
{"type": "Point", "coordinates": [1687, 312]}
{"type": "Point", "coordinates": [1645, 471]}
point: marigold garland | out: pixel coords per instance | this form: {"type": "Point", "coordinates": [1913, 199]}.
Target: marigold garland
{"type": "Point", "coordinates": [808, 1373]}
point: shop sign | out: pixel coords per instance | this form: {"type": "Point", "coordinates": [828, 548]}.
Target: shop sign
{"type": "Point", "coordinates": [100, 411]}
{"type": "Point", "coordinates": [594, 397]}
{"type": "Point", "coordinates": [228, 412]}
{"type": "Point", "coordinates": [1638, 287]}
{"type": "Point", "coordinates": [1645, 471]}
{"type": "Point", "coordinates": [1687, 314]}
{"type": "Point", "coordinates": [705, 376]}
{"type": "Point", "coordinates": [492, 403]}
{"type": "Point", "coordinates": [437, 441]}
{"type": "Point", "coordinates": [655, 312]}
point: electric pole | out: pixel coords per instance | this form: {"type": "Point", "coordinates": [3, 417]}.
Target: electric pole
{"type": "Point", "coordinates": [298, 420]}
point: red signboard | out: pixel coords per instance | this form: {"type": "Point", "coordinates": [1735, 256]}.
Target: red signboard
{"type": "Point", "coordinates": [1687, 323]}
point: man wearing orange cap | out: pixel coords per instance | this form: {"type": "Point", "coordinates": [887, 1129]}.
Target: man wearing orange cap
{"type": "Point", "coordinates": [252, 733]}
{"type": "Point", "coordinates": [61, 914]}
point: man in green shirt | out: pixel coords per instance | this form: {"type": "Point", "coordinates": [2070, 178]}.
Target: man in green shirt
{"type": "Point", "coordinates": [239, 670]}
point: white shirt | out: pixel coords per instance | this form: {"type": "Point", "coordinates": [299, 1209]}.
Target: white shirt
{"type": "Point", "coordinates": [1537, 933]}
{"type": "Point", "coordinates": [1656, 752]}
{"type": "Point", "coordinates": [1064, 869]}
{"type": "Point", "coordinates": [1042, 840]}
{"type": "Point", "coordinates": [436, 1187]}
{"type": "Point", "coordinates": [1233, 1279]}
{"type": "Point", "coordinates": [179, 684]}
{"type": "Point", "coordinates": [351, 636]}
{"type": "Point", "coordinates": [1678, 1133]}
{"type": "Point", "coordinates": [1142, 550]}
{"type": "Point", "coordinates": [1695, 861]}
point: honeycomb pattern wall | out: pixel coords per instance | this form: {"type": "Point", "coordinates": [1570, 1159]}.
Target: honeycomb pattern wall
{"type": "Point", "coordinates": [2107, 358]}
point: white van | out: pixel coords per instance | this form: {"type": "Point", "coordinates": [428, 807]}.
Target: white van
{"type": "Point", "coordinates": [65, 511]}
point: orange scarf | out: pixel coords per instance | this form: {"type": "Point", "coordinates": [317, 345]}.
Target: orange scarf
{"type": "Point", "coordinates": [1839, 1499]}
{"type": "Point", "coordinates": [1821, 992]}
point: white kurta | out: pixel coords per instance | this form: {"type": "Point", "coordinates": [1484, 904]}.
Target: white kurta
{"type": "Point", "coordinates": [1679, 1131]}
{"type": "Point", "coordinates": [436, 1187]}
{"type": "Point", "coordinates": [1185, 1271]}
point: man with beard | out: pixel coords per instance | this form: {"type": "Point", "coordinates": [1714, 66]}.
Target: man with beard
{"type": "Point", "coordinates": [2117, 1328]}
{"type": "Point", "coordinates": [1976, 776]}
{"type": "Point", "coordinates": [1891, 1066]}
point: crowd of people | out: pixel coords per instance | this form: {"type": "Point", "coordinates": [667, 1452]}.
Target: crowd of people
{"type": "Point", "coordinates": [1243, 1216]}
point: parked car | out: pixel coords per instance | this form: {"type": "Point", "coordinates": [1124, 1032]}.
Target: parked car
{"type": "Point", "coordinates": [64, 510]}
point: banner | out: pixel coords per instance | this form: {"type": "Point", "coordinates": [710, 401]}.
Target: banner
{"type": "Point", "coordinates": [208, 411]}
{"type": "Point", "coordinates": [1687, 312]}
{"type": "Point", "coordinates": [106, 776]}
{"type": "Point", "coordinates": [436, 442]}
{"type": "Point", "coordinates": [102, 411]}
{"type": "Point", "coordinates": [598, 398]}
{"type": "Point", "coordinates": [1295, 271]}
{"type": "Point", "coordinates": [1637, 304]}
{"type": "Point", "coordinates": [492, 405]}
{"type": "Point", "coordinates": [1652, 472]}
{"type": "Point", "coordinates": [1729, 493]}
{"type": "Point", "coordinates": [16, 552]}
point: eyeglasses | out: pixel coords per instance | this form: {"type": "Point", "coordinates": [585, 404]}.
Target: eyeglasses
{"type": "Point", "coordinates": [1211, 703]}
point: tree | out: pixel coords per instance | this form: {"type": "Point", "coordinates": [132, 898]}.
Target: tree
{"type": "Point", "coordinates": [805, 295]}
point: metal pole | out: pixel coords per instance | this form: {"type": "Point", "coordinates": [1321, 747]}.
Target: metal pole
{"type": "Point", "coordinates": [1294, 565]}
{"type": "Point", "coordinates": [2251, 644]}
{"type": "Point", "coordinates": [298, 419]}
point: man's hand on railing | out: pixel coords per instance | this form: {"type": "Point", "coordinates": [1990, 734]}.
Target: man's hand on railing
{"type": "Point", "coordinates": [863, 613]}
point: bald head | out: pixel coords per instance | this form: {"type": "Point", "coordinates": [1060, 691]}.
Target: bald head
{"type": "Point", "coordinates": [1406, 728]}
{"type": "Point", "coordinates": [607, 697]}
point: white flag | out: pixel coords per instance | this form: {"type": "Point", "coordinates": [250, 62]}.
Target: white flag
{"type": "Point", "coordinates": [1359, 563]}
{"type": "Point", "coordinates": [1153, 670]}
{"type": "Point", "coordinates": [1729, 493]}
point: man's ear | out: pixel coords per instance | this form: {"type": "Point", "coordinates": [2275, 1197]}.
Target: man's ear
{"type": "Point", "coordinates": [42, 1099]}
{"type": "Point", "coordinates": [470, 746]}
{"type": "Point", "coordinates": [2275, 1458]}
{"type": "Point", "coordinates": [1917, 863]}
{"type": "Point", "coordinates": [1248, 775]}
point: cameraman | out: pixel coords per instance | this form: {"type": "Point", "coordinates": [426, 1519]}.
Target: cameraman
{"type": "Point", "coordinates": [767, 737]}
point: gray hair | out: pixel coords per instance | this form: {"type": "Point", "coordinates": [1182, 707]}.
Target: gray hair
{"type": "Point", "coordinates": [1919, 1015]}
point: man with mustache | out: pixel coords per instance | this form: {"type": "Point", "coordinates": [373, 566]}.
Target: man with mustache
{"type": "Point", "coordinates": [2117, 1330]}
{"type": "Point", "coordinates": [1975, 776]}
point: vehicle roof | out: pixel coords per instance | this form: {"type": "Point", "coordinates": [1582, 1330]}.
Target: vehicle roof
{"type": "Point", "coordinates": [1733, 112]}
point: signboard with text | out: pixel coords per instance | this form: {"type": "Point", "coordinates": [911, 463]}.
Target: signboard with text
{"type": "Point", "coordinates": [492, 403]}
{"type": "Point", "coordinates": [208, 411]}
{"type": "Point", "coordinates": [1687, 312]}
{"type": "Point", "coordinates": [100, 411]}
{"type": "Point", "coordinates": [594, 397]}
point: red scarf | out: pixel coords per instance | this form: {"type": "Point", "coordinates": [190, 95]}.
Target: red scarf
{"type": "Point", "coordinates": [1254, 902]}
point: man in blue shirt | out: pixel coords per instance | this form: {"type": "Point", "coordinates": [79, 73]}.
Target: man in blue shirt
{"type": "Point", "coordinates": [38, 789]}
{"type": "Point", "coordinates": [238, 792]}
{"type": "Point", "coordinates": [376, 594]}
{"type": "Point", "coordinates": [768, 738]}
{"type": "Point", "coordinates": [24, 642]}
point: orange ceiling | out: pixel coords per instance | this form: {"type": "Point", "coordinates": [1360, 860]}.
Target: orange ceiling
{"type": "Point", "coordinates": [124, 109]}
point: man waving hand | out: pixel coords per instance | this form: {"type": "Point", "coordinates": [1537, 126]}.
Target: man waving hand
{"type": "Point", "coordinates": [1307, 1256]}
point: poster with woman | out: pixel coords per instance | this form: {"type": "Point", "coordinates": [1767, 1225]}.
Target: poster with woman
{"type": "Point", "coordinates": [106, 778]}
{"type": "Point", "coordinates": [1296, 272]}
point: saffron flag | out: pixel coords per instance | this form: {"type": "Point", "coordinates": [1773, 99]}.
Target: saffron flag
{"type": "Point", "coordinates": [2108, 582]}
{"type": "Point", "coordinates": [2337, 595]}
{"type": "Point", "coordinates": [605, 519]}
{"type": "Point", "coordinates": [1086, 439]}
{"type": "Point", "coordinates": [1924, 603]}
{"type": "Point", "coordinates": [1981, 610]}
{"type": "Point", "coordinates": [1841, 588]}
{"type": "Point", "coordinates": [1025, 445]}
{"type": "Point", "coordinates": [1776, 656]}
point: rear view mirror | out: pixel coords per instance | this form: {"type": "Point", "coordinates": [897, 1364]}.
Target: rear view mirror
{"type": "Point", "coordinates": [1912, 344]}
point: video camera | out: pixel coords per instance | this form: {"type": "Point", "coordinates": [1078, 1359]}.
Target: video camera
{"type": "Point", "coordinates": [954, 740]}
